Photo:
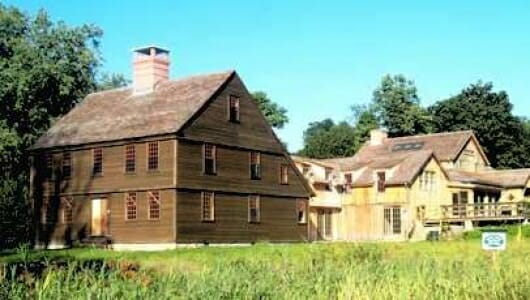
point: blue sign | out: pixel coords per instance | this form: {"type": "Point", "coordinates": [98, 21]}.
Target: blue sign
{"type": "Point", "coordinates": [494, 240]}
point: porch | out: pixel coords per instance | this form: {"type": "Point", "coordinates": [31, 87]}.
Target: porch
{"type": "Point", "coordinates": [495, 211]}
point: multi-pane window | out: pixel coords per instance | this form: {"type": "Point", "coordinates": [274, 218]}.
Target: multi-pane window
{"type": "Point", "coordinates": [301, 211]}
{"type": "Point", "coordinates": [97, 161]}
{"type": "Point", "coordinates": [427, 181]}
{"type": "Point", "coordinates": [130, 159]}
{"type": "Point", "coordinates": [130, 206]}
{"type": "Point", "coordinates": [254, 209]}
{"type": "Point", "coordinates": [208, 206]}
{"type": "Point", "coordinates": [233, 108]}
{"type": "Point", "coordinates": [152, 156]}
{"type": "Point", "coordinates": [255, 165]}
{"type": "Point", "coordinates": [284, 174]}
{"type": "Point", "coordinates": [67, 165]}
{"type": "Point", "coordinates": [381, 182]}
{"type": "Point", "coordinates": [209, 155]}
{"type": "Point", "coordinates": [392, 220]}
{"type": "Point", "coordinates": [154, 205]}
{"type": "Point", "coordinates": [49, 166]}
{"type": "Point", "coordinates": [68, 210]}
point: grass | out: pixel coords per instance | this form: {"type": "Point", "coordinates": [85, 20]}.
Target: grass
{"type": "Point", "coordinates": [424, 270]}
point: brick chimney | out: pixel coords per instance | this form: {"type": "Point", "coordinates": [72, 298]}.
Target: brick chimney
{"type": "Point", "coordinates": [377, 137]}
{"type": "Point", "coordinates": [150, 66]}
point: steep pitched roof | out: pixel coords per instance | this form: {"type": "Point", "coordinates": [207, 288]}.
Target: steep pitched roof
{"type": "Point", "coordinates": [119, 114]}
{"type": "Point", "coordinates": [500, 178]}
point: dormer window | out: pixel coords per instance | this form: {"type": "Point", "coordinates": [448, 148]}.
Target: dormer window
{"type": "Point", "coordinates": [381, 181]}
{"type": "Point", "coordinates": [233, 109]}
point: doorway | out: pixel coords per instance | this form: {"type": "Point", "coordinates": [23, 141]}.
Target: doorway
{"type": "Point", "coordinates": [325, 224]}
{"type": "Point", "coordinates": [99, 217]}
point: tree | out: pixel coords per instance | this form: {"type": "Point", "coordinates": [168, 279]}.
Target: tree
{"type": "Point", "coordinates": [45, 69]}
{"type": "Point", "coordinates": [397, 107]}
{"type": "Point", "coordinates": [112, 81]}
{"type": "Point", "coordinates": [325, 139]}
{"type": "Point", "coordinates": [489, 114]}
{"type": "Point", "coordinates": [275, 114]}
{"type": "Point", "coordinates": [365, 121]}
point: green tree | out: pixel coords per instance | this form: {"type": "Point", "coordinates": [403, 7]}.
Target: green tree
{"type": "Point", "coordinates": [276, 115]}
{"type": "Point", "coordinates": [489, 114]}
{"type": "Point", "coordinates": [46, 68]}
{"type": "Point", "coordinates": [112, 81]}
{"type": "Point", "coordinates": [325, 139]}
{"type": "Point", "coordinates": [364, 120]}
{"type": "Point", "coordinates": [397, 107]}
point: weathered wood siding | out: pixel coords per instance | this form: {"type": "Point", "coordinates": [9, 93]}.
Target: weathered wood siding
{"type": "Point", "coordinates": [233, 172]}
{"type": "Point", "coordinates": [212, 123]}
{"type": "Point", "coordinates": [278, 220]}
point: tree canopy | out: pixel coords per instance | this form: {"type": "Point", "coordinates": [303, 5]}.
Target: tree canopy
{"type": "Point", "coordinates": [325, 139]}
{"type": "Point", "coordinates": [46, 68]}
{"type": "Point", "coordinates": [276, 115]}
{"type": "Point", "coordinates": [489, 114]}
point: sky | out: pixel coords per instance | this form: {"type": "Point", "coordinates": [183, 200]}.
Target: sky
{"type": "Point", "coordinates": [318, 58]}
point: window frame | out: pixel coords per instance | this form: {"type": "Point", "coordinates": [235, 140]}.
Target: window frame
{"type": "Point", "coordinates": [393, 214]}
{"type": "Point", "coordinates": [237, 117]}
{"type": "Point", "coordinates": [67, 202]}
{"type": "Point", "coordinates": [254, 202]}
{"type": "Point", "coordinates": [125, 154]}
{"type": "Point", "coordinates": [65, 166]}
{"type": "Point", "coordinates": [150, 208]}
{"type": "Point", "coordinates": [148, 156]}
{"type": "Point", "coordinates": [213, 158]}
{"type": "Point", "coordinates": [284, 180]}
{"type": "Point", "coordinates": [127, 197]}
{"type": "Point", "coordinates": [258, 165]}
{"type": "Point", "coordinates": [211, 199]}
{"type": "Point", "coordinates": [380, 181]}
{"type": "Point", "coordinates": [301, 206]}
{"type": "Point", "coordinates": [94, 173]}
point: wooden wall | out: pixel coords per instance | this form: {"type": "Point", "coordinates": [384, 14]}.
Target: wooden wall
{"type": "Point", "coordinates": [278, 220]}
{"type": "Point", "coordinates": [233, 172]}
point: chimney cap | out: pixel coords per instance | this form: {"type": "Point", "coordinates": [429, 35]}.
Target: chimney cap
{"type": "Point", "coordinates": [147, 50]}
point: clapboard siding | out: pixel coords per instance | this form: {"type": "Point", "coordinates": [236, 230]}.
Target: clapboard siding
{"type": "Point", "coordinates": [212, 123]}
{"type": "Point", "coordinates": [278, 220]}
{"type": "Point", "coordinates": [233, 172]}
{"type": "Point", "coordinates": [142, 230]}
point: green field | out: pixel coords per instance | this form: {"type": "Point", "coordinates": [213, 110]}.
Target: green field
{"type": "Point", "coordinates": [424, 270]}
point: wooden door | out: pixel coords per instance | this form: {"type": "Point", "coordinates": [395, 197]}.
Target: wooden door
{"type": "Point", "coordinates": [99, 224]}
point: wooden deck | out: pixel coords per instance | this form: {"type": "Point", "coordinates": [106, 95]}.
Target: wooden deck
{"type": "Point", "coordinates": [483, 212]}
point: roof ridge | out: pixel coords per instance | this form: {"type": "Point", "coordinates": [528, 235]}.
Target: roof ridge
{"type": "Point", "coordinates": [433, 134]}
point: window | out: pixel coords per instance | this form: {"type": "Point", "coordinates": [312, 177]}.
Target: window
{"type": "Point", "coordinates": [328, 172]}
{"type": "Point", "coordinates": [67, 165]}
{"type": "Point", "coordinates": [392, 220]}
{"type": "Point", "coordinates": [130, 159]}
{"type": "Point", "coordinates": [68, 210]}
{"type": "Point", "coordinates": [254, 209]}
{"type": "Point", "coordinates": [428, 181]}
{"type": "Point", "coordinates": [233, 108]}
{"type": "Point", "coordinates": [284, 174]}
{"type": "Point", "coordinates": [301, 211]}
{"type": "Point", "coordinates": [154, 205]}
{"type": "Point", "coordinates": [348, 179]}
{"type": "Point", "coordinates": [49, 166]}
{"type": "Point", "coordinates": [208, 206]}
{"type": "Point", "coordinates": [152, 156]}
{"type": "Point", "coordinates": [46, 211]}
{"type": "Point", "coordinates": [306, 169]}
{"type": "Point", "coordinates": [381, 178]}
{"type": "Point", "coordinates": [130, 206]}
{"type": "Point", "coordinates": [210, 165]}
{"type": "Point", "coordinates": [97, 161]}
{"type": "Point", "coordinates": [255, 165]}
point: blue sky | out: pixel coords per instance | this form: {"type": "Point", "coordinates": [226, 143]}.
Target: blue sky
{"type": "Point", "coordinates": [317, 58]}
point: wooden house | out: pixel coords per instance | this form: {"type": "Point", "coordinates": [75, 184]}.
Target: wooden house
{"type": "Point", "coordinates": [409, 187]}
{"type": "Point", "coordinates": [166, 162]}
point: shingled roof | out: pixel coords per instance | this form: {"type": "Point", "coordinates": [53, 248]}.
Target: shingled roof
{"type": "Point", "coordinates": [119, 114]}
{"type": "Point", "coordinates": [501, 178]}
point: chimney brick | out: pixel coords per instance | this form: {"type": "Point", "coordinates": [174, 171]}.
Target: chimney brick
{"type": "Point", "coordinates": [150, 66]}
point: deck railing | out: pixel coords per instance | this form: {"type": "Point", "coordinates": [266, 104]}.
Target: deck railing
{"type": "Point", "coordinates": [487, 211]}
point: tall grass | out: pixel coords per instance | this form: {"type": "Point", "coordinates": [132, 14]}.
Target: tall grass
{"type": "Point", "coordinates": [344, 271]}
